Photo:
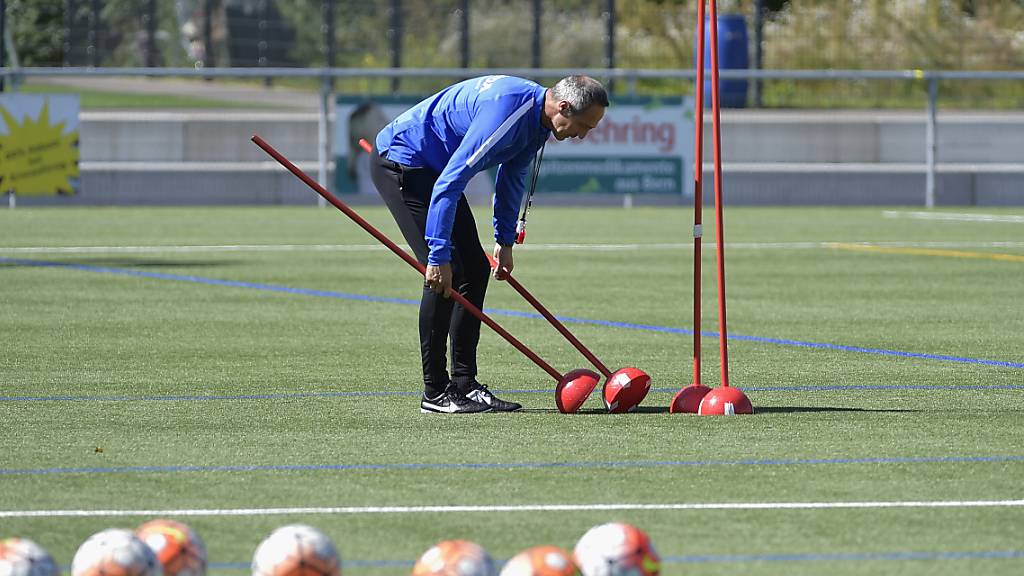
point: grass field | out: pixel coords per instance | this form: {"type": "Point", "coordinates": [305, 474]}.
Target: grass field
{"type": "Point", "coordinates": [101, 99]}
{"type": "Point", "coordinates": [274, 364]}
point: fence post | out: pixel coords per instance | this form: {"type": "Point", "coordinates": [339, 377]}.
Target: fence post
{"type": "Point", "coordinates": [396, 41]}
{"type": "Point", "coordinates": [208, 33]}
{"type": "Point", "coordinates": [758, 50]}
{"type": "Point", "coordinates": [327, 13]}
{"type": "Point", "coordinates": [464, 34]}
{"type": "Point", "coordinates": [323, 133]}
{"type": "Point", "coordinates": [93, 50]}
{"type": "Point", "coordinates": [538, 10]}
{"type": "Point", "coordinates": [609, 40]}
{"type": "Point", "coordinates": [931, 142]}
{"type": "Point", "coordinates": [150, 21]}
{"type": "Point", "coordinates": [3, 24]}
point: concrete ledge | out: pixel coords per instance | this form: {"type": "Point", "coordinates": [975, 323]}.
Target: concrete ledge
{"type": "Point", "coordinates": [840, 136]}
{"type": "Point", "coordinates": [208, 183]}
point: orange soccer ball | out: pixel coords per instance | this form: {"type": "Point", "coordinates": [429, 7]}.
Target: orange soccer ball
{"type": "Point", "coordinates": [180, 551]}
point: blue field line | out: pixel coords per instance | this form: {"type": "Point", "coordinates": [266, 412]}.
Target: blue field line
{"type": "Point", "coordinates": [384, 394]}
{"type": "Point", "coordinates": [509, 465]}
{"type": "Point", "coordinates": [726, 558]}
{"type": "Point", "coordinates": [513, 313]}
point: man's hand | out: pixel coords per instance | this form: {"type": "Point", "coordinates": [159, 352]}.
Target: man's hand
{"type": "Point", "coordinates": [503, 256]}
{"type": "Point", "coordinates": [439, 278]}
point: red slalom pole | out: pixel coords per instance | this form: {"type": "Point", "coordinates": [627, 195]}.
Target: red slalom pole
{"type": "Point", "coordinates": [724, 400]}
{"type": "Point", "coordinates": [697, 398]}
{"type": "Point", "coordinates": [688, 399]}
{"type": "Point", "coordinates": [404, 256]}
{"type": "Point", "coordinates": [716, 126]}
{"type": "Point", "coordinates": [698, 194]}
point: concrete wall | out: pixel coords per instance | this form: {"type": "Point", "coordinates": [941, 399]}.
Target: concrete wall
{"type": "Point", "coordinates": [770, 157]}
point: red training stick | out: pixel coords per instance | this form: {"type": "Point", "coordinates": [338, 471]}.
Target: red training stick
{"type": "Point", "coordinates": [554, 321]}
{"type": "Point", "coordinates": [402, 254]}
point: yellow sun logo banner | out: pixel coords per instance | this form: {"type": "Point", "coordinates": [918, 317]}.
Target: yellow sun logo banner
{"type": "Point", "coordinates": [39, 144]}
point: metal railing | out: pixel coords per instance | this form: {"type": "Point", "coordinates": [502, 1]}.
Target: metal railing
{"type": "Point", "coordinates": [629, 76]}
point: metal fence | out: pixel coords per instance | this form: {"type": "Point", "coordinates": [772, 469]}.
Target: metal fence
{"type": "Point", "coordinates": [928, 82]}
{"type": "Point", "coordinates": [638, 34]}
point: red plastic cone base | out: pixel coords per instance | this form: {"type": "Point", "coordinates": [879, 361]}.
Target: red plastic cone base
{"type": "Point", "coordinates": [625, 389]}
{"type": "Point", "coordinates": [574, 388]}
{"type": "Point", "coordinates": [725, 400]}
{"type": "Point", "coordinates": [687, 400]}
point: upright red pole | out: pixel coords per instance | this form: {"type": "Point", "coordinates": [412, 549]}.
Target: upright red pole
{"type": "Point", "coordinates": [716, 127]}
{"type": "Point", "coordinates": [698, 200]}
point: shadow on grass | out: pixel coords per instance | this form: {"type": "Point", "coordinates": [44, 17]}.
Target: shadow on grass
{"type": "Point", "coordinates": [768, 410]}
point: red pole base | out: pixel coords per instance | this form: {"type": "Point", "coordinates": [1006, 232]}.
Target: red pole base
{"type": "Point", "coordinates": [725, 401]}
{"type": "Point", "coordinates": [687, 400]}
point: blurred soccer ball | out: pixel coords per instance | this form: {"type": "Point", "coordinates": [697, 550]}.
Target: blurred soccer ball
{"type": "Point", "coordinates": [180, 551]}
{"type": "Point", "coordinates": [22, 557]}
{"type": "Point", "coordinates": [296, 550]}
{"type": "Point", "coordinates": [455, 558]}
{"type": "Point", "coordinates": [115, 552]}
{"type": "Point", "coordinates": [541, 561]}
{"type": "Point", "coordinates": [616, 549]}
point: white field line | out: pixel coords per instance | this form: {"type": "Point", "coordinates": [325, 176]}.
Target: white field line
{"type": "Point", "coordinates": [172, 249]}
{"type": "Point", "coordinates": [955, 216]}
{"type": "Point", "coordinates": [517, 508]}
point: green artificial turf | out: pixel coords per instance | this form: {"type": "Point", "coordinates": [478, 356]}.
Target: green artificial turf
{"type": "Point", "coordinates": [866, 369]}
{"type": "Point", "coordinates": [102, 99]}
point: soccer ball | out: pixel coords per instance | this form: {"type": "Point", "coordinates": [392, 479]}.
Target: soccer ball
{"type": "Point", "coordinates": [22, 557]}
{"type": "Point", "coordinates": [541, 561]}
{"type": "Point", "coordinates": [115, 552]}
{"type": "Point", "coordinates": [180, 551]}
{"type": "Point", "coordinates": [616, 549]}
{"type": "Point", "coordinates": [455, 558]}
{"type": "Point", "coordinates": [296, 550]}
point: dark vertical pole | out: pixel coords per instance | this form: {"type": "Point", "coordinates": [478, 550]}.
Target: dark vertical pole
{"type": "Point", "coordinates": [396, 41]}
{"type": "Point", "coordinates": [327, 26]}
{"type": "Point", "coordinates": [464, 33]}
{"type": "Point", "coordinates": [208, 33]}
{"type": "Point", "coordinates": [609, 40]}
{"type": "Point", "coordinates": [758, 52]}
{"type": "Point", "coordinates": [3, 53]}
{"type": "Point", "coordinates": [538, 10]}
{"type": "Point", "coordinates": [150, 18]}
{"type": "Point", "coordinates": [70, 6]}
{"type": "Point", "coordinates": [94, 33]}
{"type": "Point", "coordinates": [262, 44]}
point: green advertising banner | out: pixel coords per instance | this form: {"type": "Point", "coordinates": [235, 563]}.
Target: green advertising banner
{"type": "Point", "coordinates": [638, 148]}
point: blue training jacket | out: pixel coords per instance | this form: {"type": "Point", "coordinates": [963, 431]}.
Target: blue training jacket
{"type": "Point", "coordinates": [465, 128]}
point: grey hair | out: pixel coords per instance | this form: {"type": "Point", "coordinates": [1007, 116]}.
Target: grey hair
{"type": "Point", "coordinates": [581, 92]}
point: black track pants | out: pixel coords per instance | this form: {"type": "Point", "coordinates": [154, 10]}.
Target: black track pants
{"type": "Point", "coordinates": [407, 192]}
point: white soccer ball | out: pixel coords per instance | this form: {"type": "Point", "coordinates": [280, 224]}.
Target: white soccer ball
{"type": "Point", "coordinates": [22, 557]}
{"type": "Point", "coordinates": [296, 550]}
{"type": "Point", "coordinates": [616, 549]}
{"type": "Point", "coordinates": [455, 558]}
{"type": "Point", "coordinates": [115, 551]}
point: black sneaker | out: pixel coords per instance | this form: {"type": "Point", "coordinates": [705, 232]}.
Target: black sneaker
{"type": "Point", "coordinates": [481, 394]}
{"type": "Point", "coordinates": [452, 402]}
